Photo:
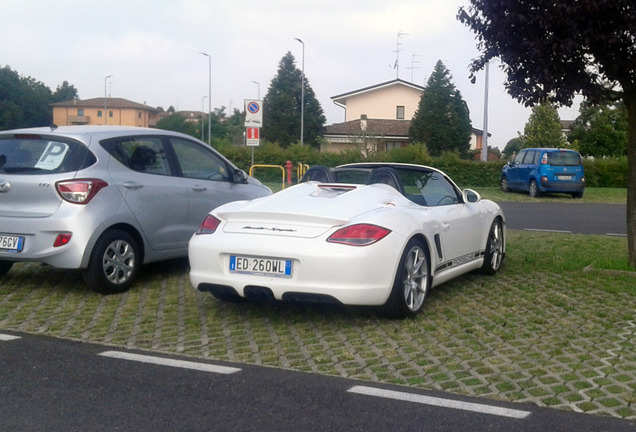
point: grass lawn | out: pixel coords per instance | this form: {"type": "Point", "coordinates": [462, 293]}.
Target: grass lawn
{"type": "Point", "coordinates": [591, 195]}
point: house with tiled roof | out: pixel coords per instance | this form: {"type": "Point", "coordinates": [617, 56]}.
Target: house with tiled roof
{"type": "Point", "coordinates": [378, 118]}
{"type": "Point", "coordinates": [104, 111]}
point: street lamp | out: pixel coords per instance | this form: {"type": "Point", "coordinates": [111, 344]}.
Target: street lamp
{"type": "Point", "coordinates": [209, 96]}
{"type": "Point", "coordinates": [202, 105]}
{"type": "Point", "coordinates": [105, 99]}
{"type": "Point", "coordinates": [302, 96]}
{"type": "Point", "coordinates": [259, 89]}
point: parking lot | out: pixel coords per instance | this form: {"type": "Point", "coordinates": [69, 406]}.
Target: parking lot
{"type": "Point", "coordinates": [564, 340]}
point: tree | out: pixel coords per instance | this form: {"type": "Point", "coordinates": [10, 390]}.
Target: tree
{"type": "Point", "coordinates": [64, 92]}
{"type": "Point", "coordinates": [179, 123]}
{"type": "Point", "coordinates": [600, 130]}
{"type": "Point", "coordinates": [555, 49]}
{"type": "Point", "coordinates": [24, 102]}
{"type": "Point", "coordinates": [282, 108]}
{"type": "Point", "coordinates": [442, 119]}
{"type": "Point", "coordinates": [513, 146]}
{"type": "Point", "coordinates": [543, 128]}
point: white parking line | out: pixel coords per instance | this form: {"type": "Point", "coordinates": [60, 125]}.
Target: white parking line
{"type": "Point", "coordinates": [547, 230]}
{"type": "Point", "coordinates": [169, 362]}
{"type": "Point", "coordinates": [6, 337]}
{"type": "Point", "coordinates": [439, 402]}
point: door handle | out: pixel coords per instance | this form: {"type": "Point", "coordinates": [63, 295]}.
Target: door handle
{"type": "Point", "coordinates": [132, 185]}
{"type": "Point", "coordinates": [198, 188]}
{"type": "Point", "coordinates": [445, 226]}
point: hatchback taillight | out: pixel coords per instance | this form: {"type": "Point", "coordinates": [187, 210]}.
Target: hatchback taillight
{"type": "Point", "coordinates": [209, 225]}
{"type": "Point", "coordinates": [62, 239]}
{"type": "Point", "coordinates": [79, 191]}
{"type": "Point", "coordinates": [359, 235]}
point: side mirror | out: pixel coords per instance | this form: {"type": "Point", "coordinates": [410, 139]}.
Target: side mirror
{"type": "Point", "coordinates": [239, 176]}
{"type": "Point", "coordinates": [471, 196]}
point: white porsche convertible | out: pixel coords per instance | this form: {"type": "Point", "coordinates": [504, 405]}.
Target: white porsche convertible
{"type": "Point", "coordinates": [359, 234]}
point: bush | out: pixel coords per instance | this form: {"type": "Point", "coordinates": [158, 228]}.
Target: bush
{"type": "Point", "coordinates": [610, 173]}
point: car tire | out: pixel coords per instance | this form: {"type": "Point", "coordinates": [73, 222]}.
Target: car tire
{"type": "Point", "coordinates": [577, 194]}
{"type": "Point", "coordinates": [494, 255]}
{"type": "Point", "coordinates": [411, 284]}
{"type": "Point", "coordinates": [533, 189]}
{"type": "Point", "coordinates": [504, 185]}
{"type": "Point", "coordinates": [5, 266]}
{"type": "Point", "coordinates": [114, 263]}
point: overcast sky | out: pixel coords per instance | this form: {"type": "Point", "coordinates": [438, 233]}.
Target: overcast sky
{"type": "Point", "coordinates": [151, 49]}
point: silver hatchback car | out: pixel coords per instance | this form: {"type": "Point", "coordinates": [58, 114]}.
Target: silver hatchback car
{"type": "Point", "coordinates": [106, 199]}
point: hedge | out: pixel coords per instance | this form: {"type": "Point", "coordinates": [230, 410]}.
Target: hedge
{"type": "Point", "coordinates": [604, 173]}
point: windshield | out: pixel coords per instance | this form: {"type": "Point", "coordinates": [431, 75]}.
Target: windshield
{"type": "Point", "coordinates": [35, 154]}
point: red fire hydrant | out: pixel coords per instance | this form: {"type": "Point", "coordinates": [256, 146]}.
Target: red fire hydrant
{"type": "Point", "coordinates": [288, 167]}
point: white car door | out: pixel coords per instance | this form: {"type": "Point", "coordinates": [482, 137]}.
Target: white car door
{"type": "Point", "coordinates": [460, 223]}
{"type": "Point", "coordinates": [460, 231]}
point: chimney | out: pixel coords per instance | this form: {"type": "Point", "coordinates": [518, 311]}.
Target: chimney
{"type": "Point", "coordinates": [363, 122]}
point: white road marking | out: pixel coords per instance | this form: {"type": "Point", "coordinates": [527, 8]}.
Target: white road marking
{"type": "Point", "coordinates": [6, 337]}
{"type": "Point", "coordinates": [439, 402]}
{"type": "Point", "coordinates": [170, 362]}
{"type": "Point", "coordinates": [547, 230]}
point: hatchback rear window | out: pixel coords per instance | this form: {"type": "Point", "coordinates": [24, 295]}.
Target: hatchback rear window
{"type": "Point", "coordinates": [31, 154]}
{"type": "Point", "coordinates": [567, 158]}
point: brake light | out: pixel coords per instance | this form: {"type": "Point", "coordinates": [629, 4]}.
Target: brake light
{"type": "Point", "coordinates": [27, 136]}
{"type": "Point", "coordinates": [62, 239]}
{"type": "Point", "coordinates": [359, 235]}
{"type": "Point", "coordinates": [209, 225]}
{"type": "Point", "coordinates": [79, 191]}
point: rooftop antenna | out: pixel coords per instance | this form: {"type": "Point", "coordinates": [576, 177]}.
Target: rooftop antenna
{"type": "Point", "coordinates": [413, 61]}
{"type": "Point", "coordinates": [396, 66]}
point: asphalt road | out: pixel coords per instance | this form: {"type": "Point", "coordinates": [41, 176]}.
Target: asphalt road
{"type": "Point", "coordinates": [577, 218]}
{"type": "Point", "coordinates": [57, 385]}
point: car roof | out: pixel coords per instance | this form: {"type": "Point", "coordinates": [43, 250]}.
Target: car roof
{"type": "Point", "coordinates": [549, 149]}
{"type": "Point", "coordinates": [81, 132]}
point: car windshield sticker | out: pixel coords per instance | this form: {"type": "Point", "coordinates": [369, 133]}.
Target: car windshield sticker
{"type": "Point", "coordinates": [52, 156]}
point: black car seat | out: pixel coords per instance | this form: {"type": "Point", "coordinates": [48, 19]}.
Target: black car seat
{"type": "Point", "coordinates": [318, 173]}
{"type": "Point", "coordinates": [388, 176]}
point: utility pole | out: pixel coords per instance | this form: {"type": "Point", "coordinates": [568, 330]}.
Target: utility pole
{"type": "Point", "coordinates": [484, 150]}
{"type": "Point", "coordinates": [106, 98]}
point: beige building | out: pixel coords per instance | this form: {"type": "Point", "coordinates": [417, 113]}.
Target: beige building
{"type": "Point", "coordinates": [378, 118]}
{"type": "Point", "coordinates": [104, 111]}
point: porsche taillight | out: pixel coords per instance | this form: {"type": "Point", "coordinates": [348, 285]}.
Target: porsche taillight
{"type": "Point", "coordinates": [79, 191]}
{"type": "Point", "coordinates": [209, 225]}
{"type": "Point", "coordinates": [359, 235]}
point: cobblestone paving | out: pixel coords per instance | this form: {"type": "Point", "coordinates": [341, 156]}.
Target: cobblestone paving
{"type": "Point", "coordinates": [549, 339]}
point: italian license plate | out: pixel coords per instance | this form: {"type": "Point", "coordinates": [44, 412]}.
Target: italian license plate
{"type": "Point", "coordinates": [11, 243]}
{"type": "Point", "coordinates": [261, 266]}
{"type": "Point", "coordinates": [564, 177]}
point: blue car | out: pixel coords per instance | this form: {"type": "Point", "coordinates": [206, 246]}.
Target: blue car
{"type": "Point", "coordinates": [544, 170]}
